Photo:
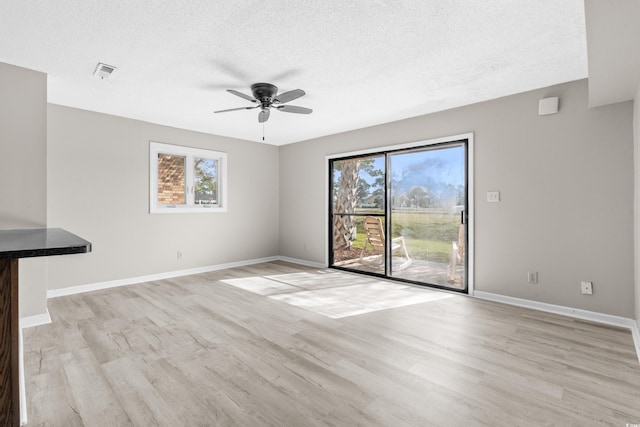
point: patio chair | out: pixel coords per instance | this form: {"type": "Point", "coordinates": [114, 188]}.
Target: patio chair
{"type": "Point", "coordinates": [375, 238]}
{"type": "Point", "coordinates": [456, 256]}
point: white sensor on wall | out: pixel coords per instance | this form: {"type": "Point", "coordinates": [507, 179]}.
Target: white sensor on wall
{"type": "Point", "coordinates": [548, 106]}
{"type": "Point", "coordinates": [103, 71]}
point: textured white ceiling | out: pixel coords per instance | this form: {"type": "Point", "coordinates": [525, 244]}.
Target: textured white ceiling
{"type": "Point", "coordinates": [361, 62]}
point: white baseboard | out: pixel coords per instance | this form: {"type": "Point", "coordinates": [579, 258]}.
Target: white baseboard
{"type": "Point", "coordinates": [72, 290]}
{"type": "Point", "coordinates": [23, 391]}
{"type": "Point", "coordinates": [636, 338]}
{"type": "Point", "coordinates": [35, 320]}
{"type": "Point", "coordinates": [607, 319]}
{"type": "Point", "coordinates": [302, 262]}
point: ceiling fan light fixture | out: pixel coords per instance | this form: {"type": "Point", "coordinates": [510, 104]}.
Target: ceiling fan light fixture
{"type": "Point", "coordinates": [263, 116]}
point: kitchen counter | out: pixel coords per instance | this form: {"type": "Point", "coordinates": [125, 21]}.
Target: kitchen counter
{"type": "Point", "coordinates": [16, 244]}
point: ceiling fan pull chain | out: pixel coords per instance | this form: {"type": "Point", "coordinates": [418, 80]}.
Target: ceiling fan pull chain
{"type": "Point", "coordinates": [263, 131]}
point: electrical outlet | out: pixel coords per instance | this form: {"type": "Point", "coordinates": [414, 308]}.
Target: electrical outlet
{"type": "Point", "coordinates": [179, 254]}
{"type": "Point", "coordinates": [532, 277]}
{"type": "Point", "coordinates": [493, 196]}
{"type": "Point", "coordinates": [587, 288]}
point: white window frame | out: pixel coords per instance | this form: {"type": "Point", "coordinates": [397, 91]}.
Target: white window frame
{"type": "Point", "coordinates": [190, 154]}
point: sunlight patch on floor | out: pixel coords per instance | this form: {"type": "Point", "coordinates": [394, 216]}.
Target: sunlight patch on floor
{"type": "Point", "coordinates": [335, 295]}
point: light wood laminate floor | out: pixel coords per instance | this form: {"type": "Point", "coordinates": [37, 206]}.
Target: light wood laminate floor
{"type": "Point", "coordinates": [196, 351]}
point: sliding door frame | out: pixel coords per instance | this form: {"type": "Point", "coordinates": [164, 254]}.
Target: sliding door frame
{"type": "Point", "coordinates": [470, 208]}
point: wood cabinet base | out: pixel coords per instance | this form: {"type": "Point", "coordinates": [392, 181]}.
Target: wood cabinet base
{"type": "Point", "coordinates": [9, 365]}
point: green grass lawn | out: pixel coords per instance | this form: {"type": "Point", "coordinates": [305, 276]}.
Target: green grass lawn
{"type": "Point", "coordinates": [428, 236]}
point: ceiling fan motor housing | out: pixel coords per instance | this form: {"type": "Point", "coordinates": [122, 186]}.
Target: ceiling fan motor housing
{"type": "Point", "coordinates": [264, 92]}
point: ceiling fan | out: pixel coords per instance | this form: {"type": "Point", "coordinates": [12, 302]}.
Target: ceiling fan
{"type": "Point", "coordinates": [266, 96]}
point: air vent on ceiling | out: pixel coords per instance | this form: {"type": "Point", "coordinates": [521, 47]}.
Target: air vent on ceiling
{"type": "Point", "coordinates": [103, 70]}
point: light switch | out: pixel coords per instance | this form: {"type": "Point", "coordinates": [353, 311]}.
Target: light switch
{"type": "Point", "coordinates": [493, 196]}
{"type": "Point", "coordinates": [586, 288]}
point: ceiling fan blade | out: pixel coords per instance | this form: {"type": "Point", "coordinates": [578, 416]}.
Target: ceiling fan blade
{"type": "Point", "coordinates": [263, 116]}
{"type": "Point", "coordinates": [289, 96]}
{"type": "Point", "coordinates": [242, 95]}
{"type": "Point", "coordinates": [236, 109]}
{"type": "Point", "coordinates": [294, 109]}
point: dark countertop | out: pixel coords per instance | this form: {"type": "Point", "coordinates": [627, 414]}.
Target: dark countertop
{"type": "Point", "coordinates": [36, 242]}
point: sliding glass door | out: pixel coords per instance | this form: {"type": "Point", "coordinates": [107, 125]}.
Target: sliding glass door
{"type": "Point", "coordinates": [401, 214]}
{"type": "Point", "coordinates": [358, 192]}
{"type": "Point", "coordinates": [428, 198]}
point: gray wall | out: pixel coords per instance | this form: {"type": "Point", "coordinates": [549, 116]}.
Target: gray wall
{"type": "Point", "coordinates": [98, 188]}
{"type": "Point", "coordinates": [636, 136]}
{"type": "Point", "coordinates": [23, 185]}
{"type": "Point", "coordinates": [566, 183]}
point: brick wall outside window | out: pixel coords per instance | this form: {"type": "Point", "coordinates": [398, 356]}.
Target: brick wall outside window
{"type": "Point", "coordinates": [171, 176]}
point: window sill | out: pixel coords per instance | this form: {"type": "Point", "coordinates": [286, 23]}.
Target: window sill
{"type": "Point", "coordinates": [189, 209]}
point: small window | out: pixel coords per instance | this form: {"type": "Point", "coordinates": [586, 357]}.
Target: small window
{"type": "Point", "coordinates": [185, 179]}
